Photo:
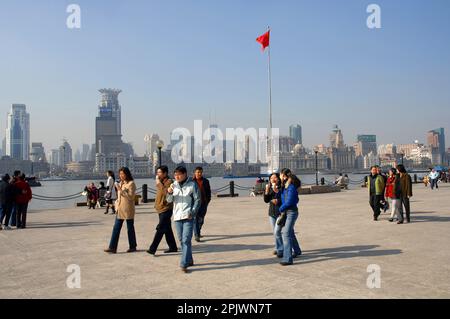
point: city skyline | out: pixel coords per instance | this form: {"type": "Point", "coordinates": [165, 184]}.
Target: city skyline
{"type": "Point", "coordinates": [336, 71]}
{"type": "Point", "coordinates": [82, 149]}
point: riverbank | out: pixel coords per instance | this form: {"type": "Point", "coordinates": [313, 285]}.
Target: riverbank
{"type": "Point", "coordinates": [338, 236]}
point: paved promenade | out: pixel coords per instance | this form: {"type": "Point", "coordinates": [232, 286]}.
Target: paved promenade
{"type": "Point", "coordinates": [336, 231]}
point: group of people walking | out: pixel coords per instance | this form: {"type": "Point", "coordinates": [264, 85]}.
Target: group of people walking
{"type": "Point", "coordinates": [15, 194]}
{"type": "Point", "coordinates": [393, 190]}
{"type": "Point", "coordinates": [102, 196]}
{"type": "Point", "coordinates": [186, 199]}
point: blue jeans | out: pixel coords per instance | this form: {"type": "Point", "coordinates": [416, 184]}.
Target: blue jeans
{"type": "Point", "coordinates": [434, 183]}
{"type": "Point", "coordinates": [5, 214]}
{"type": "Point", "coordinates": [296, 250]}
{"type": "Point", "coordinates": [184, 231]}
{"type": "Point", "coordinates": [116, 234]}
{"type": "Point", "coordinates": [277, 234]}
{"type": "Point", "coordinates": [200, 220]}
{"type": "Point", "coordinates": [13, 217]}
{"type": "Point", "coordinates": [289, 240]}
{"type": "Point", "coordinates": [295, 244]}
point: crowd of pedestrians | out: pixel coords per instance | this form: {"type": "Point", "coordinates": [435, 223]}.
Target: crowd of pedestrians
{"type": "Point", "coordinates": [395, 188]}
{"type": "Point", "coordinates": [15, 195]}
{"type": "Point", "coordinates": [185, 199]}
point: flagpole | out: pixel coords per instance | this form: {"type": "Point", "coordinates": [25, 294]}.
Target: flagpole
{"type": "Point", "coordinates": [270, 111]}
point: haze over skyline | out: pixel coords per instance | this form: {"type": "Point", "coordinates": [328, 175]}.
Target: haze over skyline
{"type": "Point", "coordinates": [182, 60]}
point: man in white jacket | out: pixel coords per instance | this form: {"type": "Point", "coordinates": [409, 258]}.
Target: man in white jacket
{"type": "Point", "coordinates": [186, 199]}
{"type": "Point", "coordinates": [434, 177]}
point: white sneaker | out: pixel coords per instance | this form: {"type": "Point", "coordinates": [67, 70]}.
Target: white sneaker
{"type": "Point", "coordinates": [7, 228]}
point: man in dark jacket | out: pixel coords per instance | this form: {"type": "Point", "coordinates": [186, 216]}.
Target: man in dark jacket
{"type": "Point", "coordinates": [6, 200]}
{"type": "Point", "coordinates": [205, 192]}
{"type": "Point", "coordinates": [406, 186]}
{"type": "Point", "coordinates": [165, 212]}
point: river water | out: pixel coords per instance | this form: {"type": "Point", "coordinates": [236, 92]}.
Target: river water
{"type": "Point", "coordinates": [65, 188]}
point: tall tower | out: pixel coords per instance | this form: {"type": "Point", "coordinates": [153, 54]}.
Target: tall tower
{"type": "Point", "coordinates": [336, 138]}
{"type": "Point", "coordinates": [295, 132]}
{"type": "Point", "coordinates": [65, 154]}
{"type": "Point", "coordinates": [108, 129]}
{"type": "Point", "coordinates": [109, 104]}
{"type": "Point", "coordinates": [18, 133]}
{"type": "Point", "coordinates": [436, 140]}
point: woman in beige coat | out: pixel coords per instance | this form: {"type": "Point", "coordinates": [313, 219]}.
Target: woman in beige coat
{"type": "Point", "coordinates": [126, 192]}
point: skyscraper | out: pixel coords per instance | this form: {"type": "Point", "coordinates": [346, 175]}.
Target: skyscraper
{"type": "Point", "coordinates": [295, 132]}
{"type": "Point", "coordinates": [65, 154]}
{"type": "Point", "coordinates": [108, 135]}
{"type": "Point", "coordinates": [366, 144]}
{"type": "Point", "coordinates": [85, 152]}
{"type": "Point", "coordinates": [18, 133]}
{"type": "Point", "coordinates": [54, 157]}
{"type": "Point", "coordinates": [336, 138]}
{"type": "Point", "coordinates": [37, 153]}
{"type": "Point", "coordinates": [77, 156]}
{"type": "Point", "coordinates": [436, 140]}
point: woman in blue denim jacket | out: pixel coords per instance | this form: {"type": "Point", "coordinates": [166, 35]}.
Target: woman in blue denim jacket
{"type": "Point", "coordinates": [289, 202]}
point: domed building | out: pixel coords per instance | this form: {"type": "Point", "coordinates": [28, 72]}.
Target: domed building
{"type": "Point", "coordinates": [298, 149]}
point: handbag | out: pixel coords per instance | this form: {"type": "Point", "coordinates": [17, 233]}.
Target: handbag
{"type": "Point", "coordinates": [281, 220]}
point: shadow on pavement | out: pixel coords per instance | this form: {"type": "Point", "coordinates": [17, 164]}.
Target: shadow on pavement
{"type": "Point", "coordinates": [61, 225]}
{"type": "Point", "coordinates": [311, 256]}
{"type": "Point", "coordinates": [208, 238]}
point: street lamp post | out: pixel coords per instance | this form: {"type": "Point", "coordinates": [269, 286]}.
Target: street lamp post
{"type": "Point", "coordinates": [317, 172]}
{"type": "Point", "coordinates": [159, 145]}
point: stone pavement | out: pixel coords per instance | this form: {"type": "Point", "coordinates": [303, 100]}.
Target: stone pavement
{"type": "Point", "coordinates": [336, 231]}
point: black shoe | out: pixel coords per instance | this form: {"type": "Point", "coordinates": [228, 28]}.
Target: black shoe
{"type": "Point", "coordinates": [400, 222]}
{"type": "Point", "coordinates": [280, 256]}
{"type": "Point", "coordinates": [185, 270]}
{"type": "Point", "coordinates": [106, 213]}
{"type": "Point", "coordinates": [296, 255]}
{"type": "Point", "coordinates": [391, 220]}
{"type": "Point", "coordinates": [285, 263]}
{"type": "Point", "coordinates": [132, 250]}
{"type": "Point", "coordinates": [168, 251]}
{"type": "Point", "coordinates": [375, 219]}
{"type": "Point", "coordinates": [191, 264]}
{"type": "Point", "coordinates": [275, 252]}
{"type": "Point", "coordinates": [197, 239]}
{"type": "Point", "coordinates": [201, 236]}
{"type": "Point", "coordinates": [110, 251]}
{"type": "Point", "coordinates": [150, 252]}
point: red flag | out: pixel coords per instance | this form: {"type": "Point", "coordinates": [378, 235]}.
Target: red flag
{"type": "Point", "coordinates": [264, 40]}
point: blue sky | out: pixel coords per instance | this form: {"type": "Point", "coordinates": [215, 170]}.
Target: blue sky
{"type": "Point", "coordinates": [177, 61]}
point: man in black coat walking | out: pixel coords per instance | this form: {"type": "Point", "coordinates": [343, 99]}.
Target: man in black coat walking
{"type": "Point", "coordinates": [205, 191]}
{"type": "Point", "coordinates": [7, 193]}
